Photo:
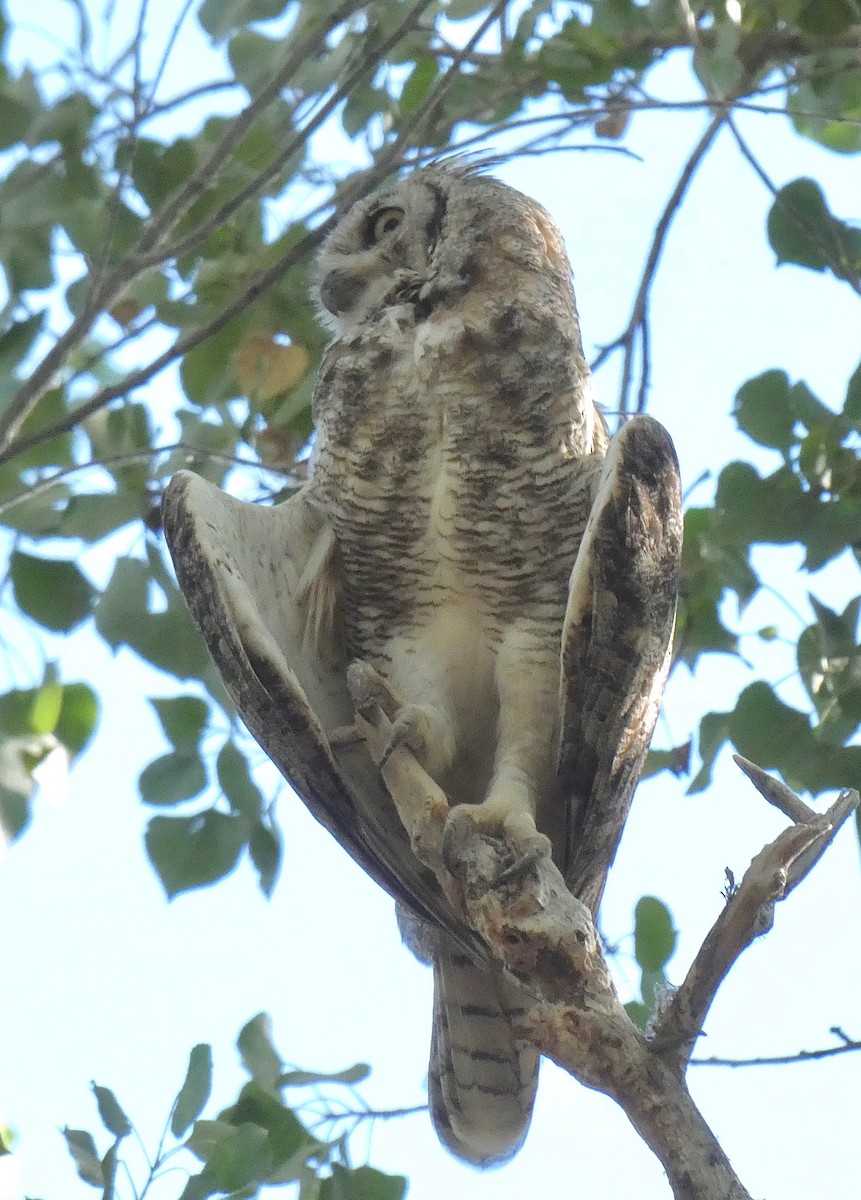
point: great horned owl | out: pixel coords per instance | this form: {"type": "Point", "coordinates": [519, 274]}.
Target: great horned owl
{"type": "Point", "coordinates": [473, 540]}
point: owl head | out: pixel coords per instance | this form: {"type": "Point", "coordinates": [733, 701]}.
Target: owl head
{"type": "Point", "coordinates": [420, 243]}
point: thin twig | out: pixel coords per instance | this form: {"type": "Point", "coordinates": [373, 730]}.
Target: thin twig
{"type": "Point", "coordinates": [201, 179]}
{"type": "Point", "coordinates": [778, 1060]}
{"type": "Point", "coordinates": [102, 292]}
{"type": "Point", "coordinates": [637, 326]}
{"type": "Point", "coordinates": [749, 912]}
{"type": "Point", "coordinates": [841, 268]}
{"type": "Point", "coordinates": [181, 346]}
{"type": "Point", "coordinates": [230, 207]}
{"type": "Point", "coordinates": [133, 458]}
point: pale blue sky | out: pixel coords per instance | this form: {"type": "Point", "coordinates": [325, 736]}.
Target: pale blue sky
{"type": "Point", "coordinates": [105, 981]}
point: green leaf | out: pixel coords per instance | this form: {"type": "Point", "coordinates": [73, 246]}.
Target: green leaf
{"type": "Point", "coordinates": [461, 10]}
{"type": "Point", "coordinates": [809, 408]}
{"type": "Point", "coordinates": [191, 852]}
{"type": "Point", "coordinates": [18, 107]}
{"type": "Point", "coordinates": [112, 1115]}
{"type": "Point", "coordinates": [351, 1075]}
{"type": "Point", "coordinates": [16, 785]}
{"type": "Point", "coordinates": [122, 606]}
{"type": "Point", "coordinates": [264, 846]}
{"type": "Point", "coordinates": [79, 713]}
{"type": "Point", "coordinates": [654, 935]}
{"type": "Point", "coordinates": [35, 514]}
{"type": "Point", "coordinates": [419, 85]}
{"type": "Point", "coordinates": [638, 1013]}
{"type": "Point", "coordinates": [243, 1157]}
{"type": "Point", "coordinates": [109, 1171]}
{"type": "Point", "coordinates": [172, 778]}
{"type": "Point", "coordinates": [234, 776]}
{"type": "Point", "coordinates": [82, 1148]}
{"type": "Point", "coordinates": [206, 1136]}
{"type": "Point", "coordinates": [852, 404]}
{"type": "Point", "coordinates": [16, 341]}
{"type": "Point", "coordinates": [837, 631]}
{"type": "Point", "coordinates": [219, 17]}
{"type": "Point", "coordinates": [157, 171]}
{"type": "Point", "coordinates": [93, 517]}
{"type": "Point", "coordinates": [46, 707]}
{"type": "Point", "coordinates": [802, 230]}
{"type": "Point", "coordinates": [289, 1141]}
{"type": "Point", "coordinates": [259, 1056]}
{"type": "Point", "coordinates": [677, 760]}
{"type": "Point", "coordinates": [169, 639]}
{"type": "Point", "coordinates": [827, 18]}
{"type": "Point", "coordinates": [253, 58]}
{"type": "Point", "coordinates": [763, 412]}
{"type": "Point", "coordinates": [54, 593]}
{"type": "Point", "coordinates": [201, 1186]}
{"type": "Point", "coordinates": [194, 1092]}
{"type": "Point", "coordinates": [362, 1183]}
{"type": "Point", "coordinates": [7, 1140]}
{"type": "Point", "coordinates": [183, 719]}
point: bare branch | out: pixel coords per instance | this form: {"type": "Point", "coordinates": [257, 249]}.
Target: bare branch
{"type": "Point", "coordinates": [775, 792]}
{"type": "Point", "coordinates": [749, 911]}
{"type": "Point", "coordinates": [778, 1060]}
{"type": "Point", "coordinates": [637, 326]}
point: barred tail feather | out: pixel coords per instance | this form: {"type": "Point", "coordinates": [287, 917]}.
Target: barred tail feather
{"type": "Point", "coordinates": [482, 1077]}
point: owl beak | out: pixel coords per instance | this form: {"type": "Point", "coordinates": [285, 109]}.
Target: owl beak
{"type": "Point", "coordinates": [340, 292]}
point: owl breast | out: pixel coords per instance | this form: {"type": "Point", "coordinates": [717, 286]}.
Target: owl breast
{"type": "Point", "coordinates": [456, 454]}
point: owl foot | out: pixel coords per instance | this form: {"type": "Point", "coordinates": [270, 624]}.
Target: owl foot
{"type": "Point", "coordinates": [369, 691]}
{"type": "Point", "coordinates": [516, 828]}
{"type": "Point", "coordinates": [421, 728]}
{"type": "Point", "coordinates": [409, 728]}
{"type": "Point", "coordinates": [344, 736]}
{"type": "Point", "coordinates": [370, 694]}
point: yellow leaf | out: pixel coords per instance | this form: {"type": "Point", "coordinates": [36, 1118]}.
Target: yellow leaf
{"type": "Point", "coordinates": [266, 369]}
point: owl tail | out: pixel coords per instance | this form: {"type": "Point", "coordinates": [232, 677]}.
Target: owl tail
{"type": "Point", "coordinates": [482, 1078]}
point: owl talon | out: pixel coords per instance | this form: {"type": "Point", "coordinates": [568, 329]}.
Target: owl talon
{"type": "Point", "coordinates": [516, 829]}
{"type": "Point", "coordinates": [369, 691]}
{"type": "Point", "coordinates": [406, 731]}
{"type": "Point", "coordinates": [345, 735]}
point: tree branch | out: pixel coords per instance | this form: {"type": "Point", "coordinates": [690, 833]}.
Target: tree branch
{"type": "Point", "coordinates": [517, 901]}
{"type": "Point", "coordinates": [638, 323]}
{"type": "Point", "coordinates": [749, 911]}
{"type": "Point", "coordinates": [777, 1060]}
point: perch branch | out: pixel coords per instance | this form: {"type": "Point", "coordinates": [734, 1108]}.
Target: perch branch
{"type": "Point", "coordinates": [517, 901]}
{"type": "Point", "coordinates": [546, 938]}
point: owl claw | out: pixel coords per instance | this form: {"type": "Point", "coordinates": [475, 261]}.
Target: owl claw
{"type": "Point", "coordinates": [369, 691]}
{"type": "Point", "coordinates": [345, 735]}
{"type": "Point", "coordinates": [407, 730]}
{"type": "Point", "coordinates": [515, 828]}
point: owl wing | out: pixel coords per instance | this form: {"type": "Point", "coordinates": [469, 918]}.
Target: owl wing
{"type": "Point", "coordinates": [262, 586]}
{"type": "Point", "coordinates": [616, 645]}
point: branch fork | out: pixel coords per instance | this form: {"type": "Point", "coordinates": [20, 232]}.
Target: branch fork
{"type": "Point", "coordinates": [546, 938]}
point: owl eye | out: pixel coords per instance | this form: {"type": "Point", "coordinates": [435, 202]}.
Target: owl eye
{"type": "Point", "coordinates": [383, 223]}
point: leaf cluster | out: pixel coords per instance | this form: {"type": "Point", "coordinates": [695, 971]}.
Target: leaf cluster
{"type": "Point", "coordinates": [258, 1140]}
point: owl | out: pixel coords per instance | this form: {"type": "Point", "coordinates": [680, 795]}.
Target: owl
{"type": "Point", "coordinates": [473, 551]}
